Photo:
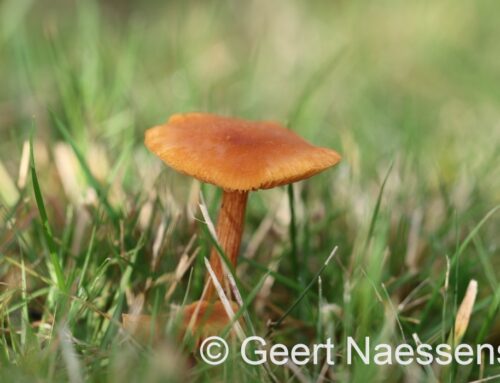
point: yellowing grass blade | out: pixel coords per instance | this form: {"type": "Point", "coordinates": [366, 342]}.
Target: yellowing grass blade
{"type": "Point", "coordinates": [465, 311]}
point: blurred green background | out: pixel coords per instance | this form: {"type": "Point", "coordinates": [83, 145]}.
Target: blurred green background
{"type": "Point", "coordinates": [408, 89]}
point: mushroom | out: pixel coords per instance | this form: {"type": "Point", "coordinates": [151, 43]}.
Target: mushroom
{"type": "Point", "coordinates": [203, 318]}
{"type": "Point", "coordinates": [238, 156]}
{"type": "Point", "coordinates": [200, 319]}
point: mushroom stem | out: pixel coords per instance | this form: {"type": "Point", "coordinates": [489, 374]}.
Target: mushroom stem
{"type": "Point", "coordinates": [229, 230]}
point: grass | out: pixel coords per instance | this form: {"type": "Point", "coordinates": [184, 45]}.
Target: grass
{"type": "Point", "coordinates": [93, 226]}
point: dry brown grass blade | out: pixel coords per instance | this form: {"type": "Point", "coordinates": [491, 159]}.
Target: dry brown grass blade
{"type": "Point", "coordinates": [24, 165]}
{"type": "Point", "coordinates": [225, 302]}
{"type": "Point", "coordinates": [465, 311]}
{"type": "Point", "coordinates": [142, 326]}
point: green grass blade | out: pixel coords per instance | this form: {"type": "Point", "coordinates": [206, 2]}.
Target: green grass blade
{"type": "Point", "coordinates": [302, 295]}
{"type": "Point", "coordinates": [87, 172]}
{"type": "Point", "coordinates": [47, 231]}
{"type": "Point", "coordinates": [377, 205]}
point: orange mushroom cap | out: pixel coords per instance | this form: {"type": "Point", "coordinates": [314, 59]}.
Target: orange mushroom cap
{"type": "Point", "coordinates": [236, 154]}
